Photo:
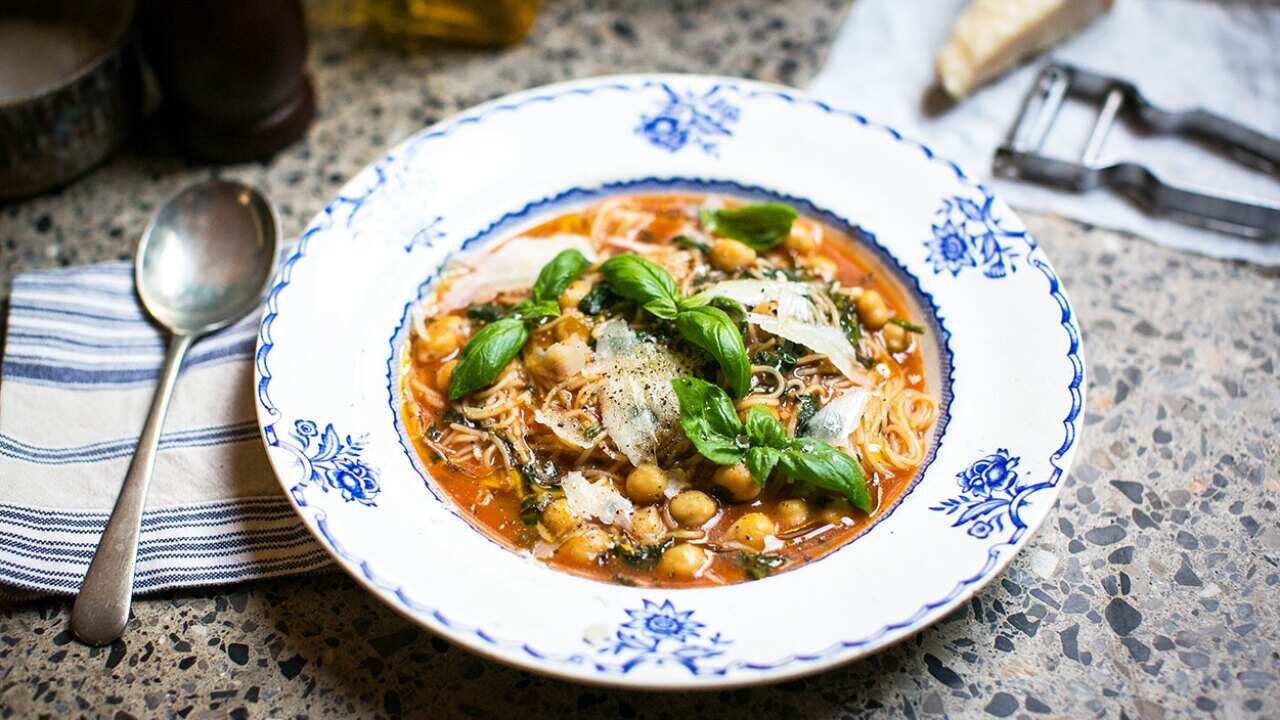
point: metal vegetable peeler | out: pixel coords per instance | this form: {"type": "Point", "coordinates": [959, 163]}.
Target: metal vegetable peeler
{"type": "Point", "coordinates": [1020, 158]}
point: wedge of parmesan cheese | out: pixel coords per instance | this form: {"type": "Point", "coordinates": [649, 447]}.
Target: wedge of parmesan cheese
{"type": "Point", "coordinates": [991, 36]}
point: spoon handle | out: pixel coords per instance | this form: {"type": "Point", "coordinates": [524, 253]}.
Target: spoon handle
{"type": "Point", "coordinates": [102, 605]}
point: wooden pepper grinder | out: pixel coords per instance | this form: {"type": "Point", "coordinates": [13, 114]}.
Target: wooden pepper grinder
{"type": "Point", "coordinates": [232, 72]}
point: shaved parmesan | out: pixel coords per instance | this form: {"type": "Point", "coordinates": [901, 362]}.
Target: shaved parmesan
{"type": "Point", "coordinates": [795, 300]}
{"type": "Point", "coordinates": [825, 339]}
{"type": "Point", "coordinates": [513, 265]}
{"type": "Point", "coordinates": [804, 314]}
{"type": "Point", "coordinates": [566, 426]}
{"type": "Point", "coordinates": [599, 500]}
{"type": "Point", "coordinates": [638, 406]}
{"type": "Point", "coordinates": [837, 420]}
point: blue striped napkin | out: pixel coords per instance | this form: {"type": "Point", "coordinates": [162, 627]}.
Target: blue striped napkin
{"type": "Point", "coordinates": [80, 365]}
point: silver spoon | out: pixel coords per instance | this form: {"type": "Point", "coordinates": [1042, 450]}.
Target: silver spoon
{"type": "Point", "coordinates": [202, 264]}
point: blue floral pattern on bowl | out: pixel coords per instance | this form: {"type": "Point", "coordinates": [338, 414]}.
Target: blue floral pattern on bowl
{"type": "Point", "coordinates": [334, 463]}
{"type": "Point", "coordinates": [990, 495]}
{"type": "Point", "coordinates": [661, 634]}
{"type": "Point", "coordinates": [689, 117]}
{"type": "Point", "coordinates": [967, 234]}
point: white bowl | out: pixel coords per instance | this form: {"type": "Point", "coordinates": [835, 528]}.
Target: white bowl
{"type": "Point", "coordinates": [1007, 370]}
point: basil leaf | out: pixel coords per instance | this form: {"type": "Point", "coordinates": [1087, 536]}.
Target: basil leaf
{"type": "Point", "coordinates": [663, 308]}
{"type": "Point", "coordinates": [711, 329]}
{"type": "Point", "coordinates": [638, 279]}
{"type": "Point", "coordinates": [757, 226]}
{"type": "Point", "coordinates": [818, 463]}
{"type": "Point", "coordinates": [530, 310]}
{"type": "Point", "coordinates": [694, 301]}
{"type": "Point", "coordinates": [709, 421]}
{"type": "Point", "coordinates": [763, 429]}
{"type": "Point", "coordinates": [732, 308]}
{"type": "Point", "coordinates": [486, 354]}
{"type": "Point", "coordinates": [761, 461]}
{"type": "Point", "coordinates": [557, 274]}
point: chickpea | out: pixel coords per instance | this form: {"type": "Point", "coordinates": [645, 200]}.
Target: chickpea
{"type": "Point", "coordinates": [896, 339]}
{"type": "Point", "coordinates": [872, 310]}
{"type": "Point", "coordinates": [646, 483]}
{"type": "Point", "coordinates": [801, 240]}
{"type": "Point", "coordinates": [752, 528]}
{"type": "Point", "coordinates": [692, 508]}
{"type": "Point", "coordinates": [730, 255]}
{"type": "Point", "coordinates": [444, 374]}
{"type": "Point", "coordinates": [823, 267]}
{"type": "Point", "coordinates": [736, 482]}
{"type": "Point", "coordinates": [793, 513]}
{"type": "Point", "coordinates": [647, 525]}
{"type": "Point", "coordinates": [558, 517]}
{"type": "Point", "coordinates": [585, 547]}
{"type": "Point", "coordinates": [682, 561]}
{"type": "Point", "coordinates": [444, 335]}
{"type": "Point", "coordinates": [573, 294]}
{"type": "Point", "coordinates": [836, 512]}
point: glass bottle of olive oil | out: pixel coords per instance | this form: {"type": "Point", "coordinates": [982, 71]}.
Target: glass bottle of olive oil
{"type": "Point", "coordinates": [477, 22]}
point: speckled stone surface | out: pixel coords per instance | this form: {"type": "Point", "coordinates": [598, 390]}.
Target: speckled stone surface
{"type": "Point", "coordinates": [1153, 590]}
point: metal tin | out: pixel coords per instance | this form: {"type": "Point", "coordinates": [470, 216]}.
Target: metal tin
{"type": "Point", "coordinates": [54, 134]}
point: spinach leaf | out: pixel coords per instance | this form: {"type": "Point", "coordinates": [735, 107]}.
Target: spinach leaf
{"type": "Point", "coordinates": [529, 510]}
{"type": "Point", "coordinates": [641, 557]}
{"type": "Point", "coordinates": [907, 325]}
{"type": "Point", "coordinates": [807, 407]}
{"type": "Point", "coordinates": [781, 360]}
{"type": "Point", "coordinates": [486, 354]}
{"type": "Point", "coordinates": [487, 312]}
{"type": "Point", "coordinates": [757, 226]}
{"type": "Point", "coordinates": [758, 565]}
{"type": "Point", "coordinates": [711, 329]}
{"type": "Point", "coordinates": [556, 275]}
{"type": "Point", "coordinates": [597, 299]}
{"type": "Point", "coordinates": [818, 463]}
{"type": "Point", "coordinates": [689, 243]}
{"type": "Point", "coordinates": [638, 279]}
{"type": "Point", "coordinates": [709, 421]}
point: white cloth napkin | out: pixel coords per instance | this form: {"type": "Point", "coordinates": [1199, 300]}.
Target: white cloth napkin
{"type": "Point", "coordinates": [1222, 56]}
{"type": "Point", "coordinates": [80, 365]}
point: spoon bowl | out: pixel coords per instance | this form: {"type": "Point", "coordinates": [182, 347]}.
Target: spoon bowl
{"type": "Point", "coordinates": [206, 255]}
{"type": "Point", "coordinates": [203, 263]}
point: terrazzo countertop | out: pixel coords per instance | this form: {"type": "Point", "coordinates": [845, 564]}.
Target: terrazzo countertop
{"type": "Point", "coordinates": [1152, 591]}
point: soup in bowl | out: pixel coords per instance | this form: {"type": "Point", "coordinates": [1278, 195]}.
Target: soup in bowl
{"type": "Point", "coordinates": [669, 389]}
